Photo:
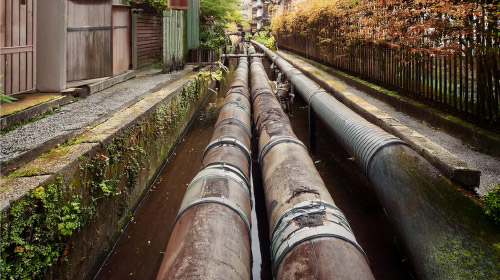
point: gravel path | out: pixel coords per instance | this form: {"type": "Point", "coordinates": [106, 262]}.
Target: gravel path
{"type": "Point", "coordinates": [86, 112]}
{"type": "Point", "coordinates": [489, 166]}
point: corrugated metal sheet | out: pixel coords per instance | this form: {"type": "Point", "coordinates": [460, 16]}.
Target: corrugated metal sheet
{"type": "Point", "coordinates": [173, 31]}
{"type": "Point", "coordinates": [193, 25]}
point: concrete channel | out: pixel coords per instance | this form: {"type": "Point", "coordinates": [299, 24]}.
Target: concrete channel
{"type": "Point", "coordinates": [264, 207]}
{"type": "Point", "coordinates": [141, 254]}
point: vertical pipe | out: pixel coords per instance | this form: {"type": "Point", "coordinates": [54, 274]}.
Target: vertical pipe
{"type": "Point", "coordinates": [211, 235]}
{"type": "Point", "coordinates": [310, 236]}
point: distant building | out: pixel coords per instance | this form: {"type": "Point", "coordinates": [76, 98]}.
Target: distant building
{"type": "Point", "coordinates": [260, 13]}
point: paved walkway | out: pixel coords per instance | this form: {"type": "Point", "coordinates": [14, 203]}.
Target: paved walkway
{"type": "Point", "coordinates": [31, 140]}
{"type": "Point", "coordinates": [489, 166]}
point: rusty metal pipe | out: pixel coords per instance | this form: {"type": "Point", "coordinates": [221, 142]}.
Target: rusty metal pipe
{"type": "Point", "coordinates": [211, 234]}
{"type": "Point", "coordinates": [444, 232]}
{"type": "Point", "coordinates": [310, 236]}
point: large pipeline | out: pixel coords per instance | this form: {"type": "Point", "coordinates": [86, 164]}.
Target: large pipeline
{"type": "Point", "coordinates": [445, 233]}
{"type": "Point", "coordinates": [211, 234]}
{"type": "Point", "coordinates": [310, 236]}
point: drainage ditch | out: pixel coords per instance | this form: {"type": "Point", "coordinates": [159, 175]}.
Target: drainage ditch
{"type": "Point", "coordinates": [139, 252]}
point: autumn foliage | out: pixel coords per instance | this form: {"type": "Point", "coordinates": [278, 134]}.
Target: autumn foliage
{"type": "Point", "coordinates": [440, 27]}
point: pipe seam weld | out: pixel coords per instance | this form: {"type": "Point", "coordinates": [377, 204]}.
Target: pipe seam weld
{"type": "Point", "coordinates": [277, 141]}
{"type": "Point", "coordinates": [287, 234]}
{"type": "Point", "coordinates": [220, 173]}
{"type": "Point", "coordinates": [218, 200]}
{"type": "Point", "coordinates": [235, 121]}
{"type": "Point", "coordinates": [234, 104]}
{"type": "Point", "coordinates": [228, 141]}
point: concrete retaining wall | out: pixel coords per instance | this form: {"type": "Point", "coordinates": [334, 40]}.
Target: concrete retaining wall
{"type": "Point", "coordinates": [62, 212]}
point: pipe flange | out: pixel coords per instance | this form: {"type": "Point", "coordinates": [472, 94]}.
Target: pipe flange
{"type": "Point", "coordinates": [237, 122]}
{"type": "Point", "coordinates": [218, 200]}
{"type": "Point", "coordinates": [228, 141]}
{"type": "Point", "coordinates": [277, 141]}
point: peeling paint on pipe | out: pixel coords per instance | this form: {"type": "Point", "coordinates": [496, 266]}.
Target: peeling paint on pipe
{"type": "Point", "coordinates": [310, 236]}
{"type": "Point", "coordinates": [211, 235]}
{"type": "Point", "coordinates": [443, 230]}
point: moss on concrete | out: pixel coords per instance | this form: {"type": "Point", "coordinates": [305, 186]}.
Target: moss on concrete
{"type": "Point", "coordinates": [62, 234]}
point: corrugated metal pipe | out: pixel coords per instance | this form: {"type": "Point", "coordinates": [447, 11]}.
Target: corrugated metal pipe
{"type": "Point", "coordinates": [211, 234]}
{"type": "Point", "coordinates": [444, 232]}
{"type": "Point", "coordinates": [310, 236]}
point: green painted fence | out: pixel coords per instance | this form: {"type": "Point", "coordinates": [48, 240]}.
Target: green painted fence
{"type": "Point", "coordinates": [173, 40]}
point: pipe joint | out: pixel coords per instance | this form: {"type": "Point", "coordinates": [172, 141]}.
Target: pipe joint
{"type": "Point", "coordinates": [220, 172]}
{"type": "Point", "coordinates": [217, 200]}
{"type": "Point", "coordinates": [237, 122]}
{"type": "Point", "coordinates": [323, 220]}
{"type": "Point", "coordinates": [234, 104]}
{"type": "Point", "coordinates": [228, 141]}
{"type": "Point", "coordinates": [269, 145]}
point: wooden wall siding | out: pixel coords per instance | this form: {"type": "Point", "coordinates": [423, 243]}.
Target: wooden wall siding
{"type": "Point", "coordinates": [89, 32]}
{"type": "Point", "coordinates": [121, 39]}
{"type": "Point", "coordinates": [149, 39]}
{"type": "Point", "coordinates": [17, 50]}
{"type": "Point", "coordinates": [178, 4]}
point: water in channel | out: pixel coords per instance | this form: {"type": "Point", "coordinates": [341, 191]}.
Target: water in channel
{"type": "Point", "coordinates": [139, 252]}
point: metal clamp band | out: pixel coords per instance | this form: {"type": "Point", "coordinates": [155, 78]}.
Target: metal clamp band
{"type": "Point", "coordinates": [230, 167]}
{"type": "Point", "coordinates": [236, 90]}
{"type": "Point", "coordinates": [287, 234]}
{"type": "Point", "coordinates": [228, 141]}
{"type": "Point", "coordinates": [221, 173]}
{"type": "Point", "coordinates": [234, 104]}
{"type": "Point", "coordinates": [218, 200]}
{"type": "Point", "coordinates": [277, 141]}
{"type": "Point", "coordinates": [260, 91]}
{"type": "Point", "coordinates": [237, 122]}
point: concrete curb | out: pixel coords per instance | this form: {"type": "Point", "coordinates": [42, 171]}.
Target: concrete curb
{"type": "Point", "coordinates": [102, 85]}
{"type": "Point", "coordinates": [451, 166]}
{"type": "Point", "coordinates": [33, 112]}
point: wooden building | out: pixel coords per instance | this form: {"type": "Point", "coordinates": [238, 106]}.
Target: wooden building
{"type": "Point", "coordinates": [46, 43]}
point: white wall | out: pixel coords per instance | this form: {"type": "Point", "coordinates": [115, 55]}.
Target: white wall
{"type": "Point", "coordinates": [51, 45]}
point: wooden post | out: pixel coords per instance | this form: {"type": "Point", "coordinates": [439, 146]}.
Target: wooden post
{"type": "Point", "coordinates": [134, 40]}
